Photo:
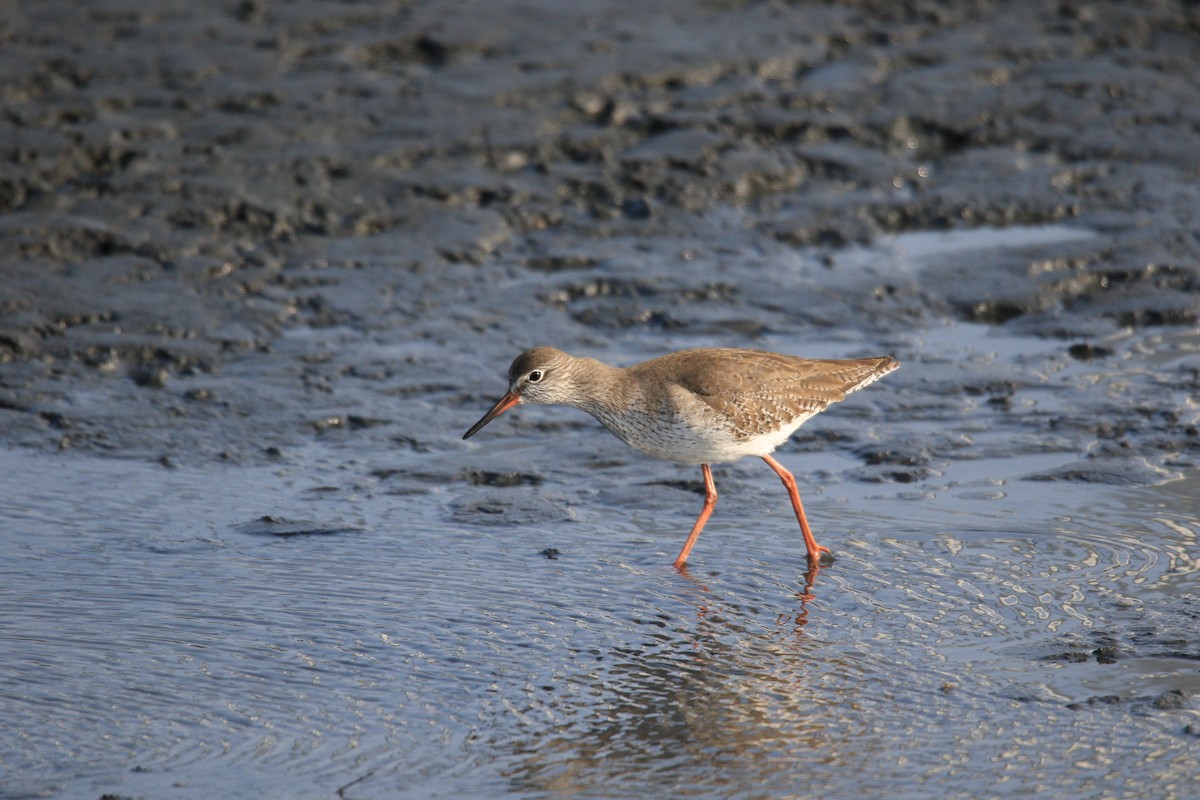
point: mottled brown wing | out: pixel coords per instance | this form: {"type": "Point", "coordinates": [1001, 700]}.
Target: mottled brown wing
{"type": "Point", "coordinates": [760, 392]}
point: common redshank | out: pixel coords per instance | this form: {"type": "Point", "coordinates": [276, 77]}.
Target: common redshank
{"type": "Point", "coordinates": [701, 406]}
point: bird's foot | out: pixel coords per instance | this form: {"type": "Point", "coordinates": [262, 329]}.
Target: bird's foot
{"type": "Point", "coordinates": [824, 557]}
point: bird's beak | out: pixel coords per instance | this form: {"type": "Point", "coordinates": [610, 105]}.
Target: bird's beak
{"type": "Point", "coordinates": [503, 404]}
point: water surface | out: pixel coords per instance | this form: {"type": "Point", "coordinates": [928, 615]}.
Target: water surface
{"type": "Point", "coordinates": [989, 638]}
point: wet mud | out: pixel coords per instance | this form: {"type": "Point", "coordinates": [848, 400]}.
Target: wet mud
{"type": "Point", "coordinates": [268, 261]}
{"type": "Point", "coordinates": [183, 188]}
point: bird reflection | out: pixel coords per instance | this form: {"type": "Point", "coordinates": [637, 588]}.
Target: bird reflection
{"type": "Point", "coordinates": [796, 618]}
{"type": "Point", "coordinates": [733, 686]}
{"type": "Point", "coordinates": [799, 618]}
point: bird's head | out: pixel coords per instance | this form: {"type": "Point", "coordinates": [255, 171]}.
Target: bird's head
{"type": "Point", "coordinates": [540, 375]}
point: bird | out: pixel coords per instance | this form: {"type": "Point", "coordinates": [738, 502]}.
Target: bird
{"type": "Point", "coordinates": [697, 406]}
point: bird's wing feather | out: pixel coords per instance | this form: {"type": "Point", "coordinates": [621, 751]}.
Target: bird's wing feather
{"type": "Point", "coordinates": [757, 392]}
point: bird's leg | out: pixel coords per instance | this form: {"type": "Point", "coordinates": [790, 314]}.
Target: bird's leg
{"type": "Point", "coordinates": [789, 481]}
{"type": "Point", "coordinates": [710, 502]}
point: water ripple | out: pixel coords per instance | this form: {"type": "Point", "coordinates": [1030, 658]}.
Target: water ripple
{"type": "Point", "coordinates": [410, 655]}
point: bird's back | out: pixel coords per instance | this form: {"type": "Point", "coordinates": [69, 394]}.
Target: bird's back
{"type": "Point", "coordinates": [750, 400]}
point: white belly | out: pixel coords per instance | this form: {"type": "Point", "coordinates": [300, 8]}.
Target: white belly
{"type": "Point", "coordinates": [692, 442]}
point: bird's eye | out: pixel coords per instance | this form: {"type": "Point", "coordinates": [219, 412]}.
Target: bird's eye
{"type": "Point", "coordinates": [535, 376]}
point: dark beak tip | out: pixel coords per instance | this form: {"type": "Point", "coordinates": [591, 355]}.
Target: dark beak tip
{"type": "Point", "coordinates": [474, 429]}
{"type": "Point", "coordinates": [503, 404]}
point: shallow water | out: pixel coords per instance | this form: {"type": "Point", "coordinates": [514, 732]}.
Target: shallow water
{"type": "Point", "coordinates": [982, 634]}
{"type": "Point", "coordinates": [1006, 614]}
{"type": "Point", "coordinates": [260, 267]}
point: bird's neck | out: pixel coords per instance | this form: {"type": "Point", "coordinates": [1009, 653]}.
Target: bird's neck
{"type": "Point", "coordinates": [602, 390]}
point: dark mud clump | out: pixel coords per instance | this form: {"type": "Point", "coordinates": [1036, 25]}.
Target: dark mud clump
{"type": "Point", "coordinates": [283, 527]}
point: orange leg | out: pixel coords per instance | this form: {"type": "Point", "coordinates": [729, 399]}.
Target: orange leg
{"type": "Point", "coordinates": [710, 502]}
{"type": "Point", "coordinates": [789, 480]}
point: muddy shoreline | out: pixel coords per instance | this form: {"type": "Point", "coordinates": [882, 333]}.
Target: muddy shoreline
{"type": "Point", "coordinates": [184, 187]}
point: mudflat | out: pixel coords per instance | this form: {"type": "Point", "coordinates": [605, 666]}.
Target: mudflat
{"type": "Point", "coordinates": [262, 263]}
